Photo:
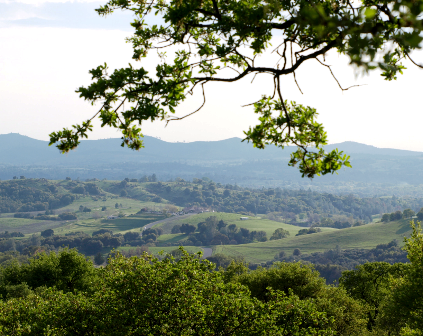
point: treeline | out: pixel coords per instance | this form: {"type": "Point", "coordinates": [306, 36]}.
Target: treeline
{"type": "Point", "coordinates": [300, 207]}
{"type": "Point", "coordinates": [88, 244]}
{"type": "Point", "coordinates": [48, 215]}
{"type": "Point", "coordinates": [63, 293]}
{"type": "Point", "coordinates": [348, 259]}
{"type": "Point", "coordinates": [24, 195]}
{"type": "Point", "coordinates": [397, 215]}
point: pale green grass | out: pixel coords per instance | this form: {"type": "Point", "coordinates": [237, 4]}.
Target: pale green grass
{"type": "Point", "coordinates": [168, 249]}
{"type": "Point", "coordinates": [87, 221]}
{"type": "Point", "coordinates": [252, 224]}
{"type": "Point", "coordinates": [120, 225]}
{"type": "Point", "coordinates": [129, 206]}
{"type": "Point", "coordinates": [365, 237]}
{"type": "Point", "coordinates": [172, 238]}
{"type": "Point", "coordinates": [28, 226]}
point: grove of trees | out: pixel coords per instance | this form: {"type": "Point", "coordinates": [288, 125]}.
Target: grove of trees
{"type": "Point", "coordinates": [63, 294]}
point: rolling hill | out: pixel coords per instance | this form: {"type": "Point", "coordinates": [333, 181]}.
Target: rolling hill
{"type": "Point", "coordinates": [363, 237]}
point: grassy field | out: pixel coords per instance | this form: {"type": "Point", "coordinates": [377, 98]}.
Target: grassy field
{"type": "Point", "coordinates": [28, 226]}
{"type": "Point", "coordinates": [190, 249]}
{"type": "Point", "coordinates": [367, 236]}
{"type": "Point", "coordinates": [119, 225]}
{"type": "Point", "coordinates": [87, 221]}
{"type": "Point", "coordinates": [171, 238]}
{"type": "Point", "coordinates": [253, 223]}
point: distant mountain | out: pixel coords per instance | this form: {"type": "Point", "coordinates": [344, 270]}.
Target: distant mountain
{"type": "Point", "coordinates": [225, 161]}
{"type": "Point", "coordinates": [16, 149]}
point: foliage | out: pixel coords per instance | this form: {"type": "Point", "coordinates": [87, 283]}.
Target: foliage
{"type": "Point", "coordinates": [308, 231]}
{"type": "Point", "coordinates": [147, 296]}
{"type": "Point", "coordinates": [349, 259]}
{"type": "Point", "coordinates": [403, 307]}
{"type": "Point", "coordinates": [214, 232]}
{"type": "Point", "coordinates": [66, 270]}
{"type": "Point", "coordinates": [31, 195]}
{"type": "Point", "coordinates": [301, 279]}
{"type": "Point", "coordinates": [47, 233]}
{"type": "Point", "coordinates": [279, 234]}
{"type": "Point", "coordinates": [208, 39]}
{"type": "Point", "coordinates": [371, 284]}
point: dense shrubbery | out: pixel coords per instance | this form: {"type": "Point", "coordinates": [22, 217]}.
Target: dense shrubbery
{"type": "Point", "coordinates": [333, 261]}
{"type": "Point", "coordinates": [63, 294]}
{"type": "Point", "coordinates": [7, 234]}
{"type": "Point", "coordinates": [31, 195]}
{"type": "Point", "coordinates": [308, 231]}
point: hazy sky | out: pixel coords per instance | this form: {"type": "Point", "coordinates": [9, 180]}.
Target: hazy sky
{"type": "Point", "coordinates": [47, 48]}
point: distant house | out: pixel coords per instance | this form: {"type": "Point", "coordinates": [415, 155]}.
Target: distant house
{"type": "Point", "coordinates": [243, 218]}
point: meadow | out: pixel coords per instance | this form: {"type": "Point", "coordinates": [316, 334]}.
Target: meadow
{"type": "Point", "coordinates": [362, 237]}
{"type": "Point", "coordinates": [252, 223]}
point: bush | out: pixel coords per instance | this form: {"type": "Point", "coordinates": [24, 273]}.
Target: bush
{"type": "Point", "coordinates": [176, 229]}
{"type": "Point", "coordinates": [67, 216]}
{"type": "Point", "coordinates": [47, 233]}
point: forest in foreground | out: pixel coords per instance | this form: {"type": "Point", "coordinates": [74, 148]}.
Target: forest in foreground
{"type": "Point", "coordinates": [63, 294]}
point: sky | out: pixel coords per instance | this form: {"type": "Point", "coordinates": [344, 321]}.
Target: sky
{"type": "Point", "coordinates": [47, 48]}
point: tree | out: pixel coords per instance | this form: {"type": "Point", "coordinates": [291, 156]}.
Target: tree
{"type": "Point", "coordinates": [67, 270]}
{"type": "Point", "coordinates": [47, 233]}
{"type": "Point", "coordinates": [176, 229]}
{"type": "Point", "coordinates": [212, 38]}
{"type": "Point", "coordinates": [279, 234]}
{"type": "Point", "coordinates": [92, 246]}
{"type": "Point", "coordinates": [99, 259]}
{"type": "Point", "coordinates": [129, 236]}
{"type": "Point", "coordinates": [386, 218]}
{"type": "Point", "coordinates": [397, 215]}
{"type": "Point", "coordinates": [67, 216]}
{"type": "Point", "coordinates": [151, 297]}
{"type": "Point", "coordinates": [187, 228]}
{"type": "Point", "coordinates": [408, 213]}
{"type": "Point", "coordinates": [403, 306]}
{"type": "Point", "coordinates": [371, 284]}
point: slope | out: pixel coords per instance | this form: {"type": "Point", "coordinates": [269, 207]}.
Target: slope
{"type": "Point", "coordinates": [367, 236]}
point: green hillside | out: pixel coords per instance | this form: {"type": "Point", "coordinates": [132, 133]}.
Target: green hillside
{"type": "Point", "coordinates": [364, 237]}
{"type": "Point", "coordinates": [252, 223]}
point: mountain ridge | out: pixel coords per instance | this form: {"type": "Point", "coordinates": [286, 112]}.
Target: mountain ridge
{"type": "Point", "coordinates": [16, 149]}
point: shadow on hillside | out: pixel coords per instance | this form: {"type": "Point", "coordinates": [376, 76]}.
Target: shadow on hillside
{"type": "Point", "coordinates": [405, 226]}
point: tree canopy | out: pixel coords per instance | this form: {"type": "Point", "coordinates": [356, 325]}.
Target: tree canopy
{"type": "Point", "coordinates": [206, 41]}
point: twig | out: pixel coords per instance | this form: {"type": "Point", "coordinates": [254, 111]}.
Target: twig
{"type": "Point", "coordinates": [180, 118]}
{"type": "Point", "coordinates": [333, 75]}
